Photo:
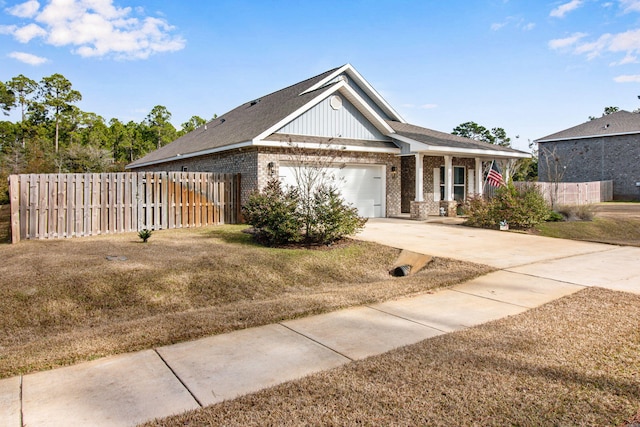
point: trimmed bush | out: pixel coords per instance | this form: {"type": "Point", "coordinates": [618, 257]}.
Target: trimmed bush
{"type": "Point", "coordinates": [520, 208]}
{"type": "Point", "coordinates": [281, 216]}
{"type": "Point", "coordinates": [332, 218]}
{"type": "Point", "coordinates": [273, 214]}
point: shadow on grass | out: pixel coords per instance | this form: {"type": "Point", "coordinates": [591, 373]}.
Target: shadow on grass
{"type": "Point", "coordinates": [232, 234]}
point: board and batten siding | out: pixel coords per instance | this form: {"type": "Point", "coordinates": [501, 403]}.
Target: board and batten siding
{"type": "Point", "coordinates": [362, 94]}
{"type": "Point", "coordinates": [323, 120]}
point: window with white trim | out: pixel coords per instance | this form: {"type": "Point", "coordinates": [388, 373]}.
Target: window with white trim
{"type": "Point", "coordinates": [458, 183]}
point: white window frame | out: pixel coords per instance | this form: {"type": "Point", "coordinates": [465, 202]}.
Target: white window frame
{"type": "Point", "coordinates": [463, 185]}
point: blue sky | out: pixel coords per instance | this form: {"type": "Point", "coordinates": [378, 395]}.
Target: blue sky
{"type": "Point", "coordinates": [531, 67]}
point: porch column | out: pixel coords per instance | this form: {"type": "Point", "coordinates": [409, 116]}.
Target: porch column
{"type": "Point", "coordinates": [419, 177]}
{"type": "Point", "coordinates": [479, 177]}
{"type": "Point", "coordinates": [448, 178]}
{"type": "Point", "coordinates": [419, 208]}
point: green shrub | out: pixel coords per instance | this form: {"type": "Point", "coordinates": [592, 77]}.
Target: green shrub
{"type": "Point", "coordinates": [555, 217]}
{"type": "Point", "coordinates": [273, 214]}
{"type": "Point", "coordinates": [520, 208]}
{"type": "Point", "coordinates": [332, 218]}
{"type": "Point", "coordinates": [144, 234]}
{"type": "Point", "coordinates": [478, 210]}
{"type": "Point", "coordinates": [281, 216]}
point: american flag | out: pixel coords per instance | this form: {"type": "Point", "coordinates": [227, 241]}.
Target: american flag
{"type": "Point", "coordinates": [494, 178]}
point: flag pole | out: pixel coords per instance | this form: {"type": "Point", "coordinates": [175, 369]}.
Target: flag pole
{"type": "Point", "coordinates": [486, 178]}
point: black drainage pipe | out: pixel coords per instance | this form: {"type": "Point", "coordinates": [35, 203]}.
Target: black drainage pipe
{"type": "Point", "coordinates": [401, 271]}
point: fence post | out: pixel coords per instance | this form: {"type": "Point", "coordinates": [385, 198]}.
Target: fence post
{"type": "Point", "coordinates": [14, 199]}
{"type": "Point", "coordinates": [238, 183]}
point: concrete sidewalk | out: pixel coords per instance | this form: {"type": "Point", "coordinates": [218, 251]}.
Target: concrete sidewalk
{"type": "Point", "coordinates": [132, 388]}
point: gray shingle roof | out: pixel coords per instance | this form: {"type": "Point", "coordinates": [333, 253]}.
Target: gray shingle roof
{"type": "Point", "coordinates": [240, 124]}
{"type": "Point", "coordinates": [620, 122]}
{"type": "Point", "coordinates": [253, 118]}
{"type": "Point", "coordinates": [442, 139]}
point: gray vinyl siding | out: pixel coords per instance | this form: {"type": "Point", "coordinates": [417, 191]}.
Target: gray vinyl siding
{"type": "Point", "coordinates": [363, 95]}
{"type": "Point", "coordinates": [322, 120]}
{"type": "Point", "coordinates": [368, 100]}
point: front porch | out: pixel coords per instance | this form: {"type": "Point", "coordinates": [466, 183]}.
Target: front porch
{"type": "Point", "coordinates": [437, 185]}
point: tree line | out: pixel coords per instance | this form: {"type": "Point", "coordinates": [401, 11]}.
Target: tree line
{"type": "Point", "coordinates": [53, 135]}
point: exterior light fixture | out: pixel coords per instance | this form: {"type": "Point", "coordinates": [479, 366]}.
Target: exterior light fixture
{"type": "Point", "coordinates": [271, 168]}
{"type": "Point", "coordinates": [394, 171]}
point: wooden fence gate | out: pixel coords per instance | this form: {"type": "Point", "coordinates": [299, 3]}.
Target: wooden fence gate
{"type": "Point", "coordinates": [52, 206]}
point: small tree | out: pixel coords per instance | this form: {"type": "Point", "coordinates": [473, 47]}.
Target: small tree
{"type": "Point", "coordinates": [312, 171]}
{"type": "Point", "coordinates": [279, 216]}
{"type": "Point", "coordinates": [556, 165]}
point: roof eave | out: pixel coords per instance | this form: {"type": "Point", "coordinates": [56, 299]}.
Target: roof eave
{"type": "Point", "coordinates": [190, 155]}
{"type": "Point", "coordinates": [421, 147]}
{"type": "Point", "coordinates": [322, 146]}
{"type": "Point", "coordinates": [546, 139]}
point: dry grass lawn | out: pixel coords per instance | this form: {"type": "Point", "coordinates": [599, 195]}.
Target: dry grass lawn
{"type": "Point", "coordinates": [65, 301]}
{"type": "Point", "coordinates": [575, 361]}
{"type": "Point", "coordinates": [615, 223]}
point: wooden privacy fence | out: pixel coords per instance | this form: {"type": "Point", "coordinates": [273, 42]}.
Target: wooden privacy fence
{"type": "Point", "coordinates": [51, 206]}
{"type": "Point", "coordinates": [574, 193]}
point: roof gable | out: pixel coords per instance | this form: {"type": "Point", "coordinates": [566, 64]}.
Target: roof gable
{"type": "Point", "coordinates": [619, 123]}
{"type": "Point", "coordinates": [347, 72]}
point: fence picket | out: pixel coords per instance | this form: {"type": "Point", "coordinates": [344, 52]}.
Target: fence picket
{"type": "Point", "coordinates": [574, 193]}
{"type": "Point", "coordinates": [74, 205]}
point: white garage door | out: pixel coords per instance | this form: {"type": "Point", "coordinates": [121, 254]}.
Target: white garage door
{"type": "Point", "coordinates": [360, 185]}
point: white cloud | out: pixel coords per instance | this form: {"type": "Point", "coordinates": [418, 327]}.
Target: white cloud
{"type": "Point", "coordinates": [25, 10]}
{"type": "Point", "coordinates": [628, 59]}
{"type": "Point", "coordinates": [7, 29]}
{"type": "Point", "coordinates": [627, 78]}
{"type": "Point", "coordinates": [28, 58]}
{"type": "Point", "coordinates": [567, 41]}
{"type": "Point", "coordinates": [513, 21]}
{"type": "Point", "coordinates": [565, 8]}
{"type": "Point", "coordinates": [630, 5]}
{"type": "Point", "coordinates": [627, 43]}
{"type": "Point", "coordinates": [28, 32]}
{"type": "Point", "coordinates": [97, 28]}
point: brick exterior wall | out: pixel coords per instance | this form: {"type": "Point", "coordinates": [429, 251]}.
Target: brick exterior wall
{"type": "Point", "coordinates": [252, 164]}
{"type": "Point", "coordinates": [615, 158]}
{"type": "Point", "coordinates": [242, 161]}
{"type": "Point", "coordinates": [430, 163]}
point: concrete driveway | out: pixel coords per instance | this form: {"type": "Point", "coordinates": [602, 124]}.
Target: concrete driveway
{"type": "Point", "coordinates": [579, 263]}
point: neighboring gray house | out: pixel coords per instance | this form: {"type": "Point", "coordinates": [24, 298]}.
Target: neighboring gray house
{"type": "Point", "coordinates": [388, 166]}
{"type": "Point", "coordinates": [603, 149]}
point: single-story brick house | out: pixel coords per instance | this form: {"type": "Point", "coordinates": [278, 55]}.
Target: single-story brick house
{"type": "Point", "coordinates": [603, 149]}
{"type": "Point", "coordinates": [388, 166]}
